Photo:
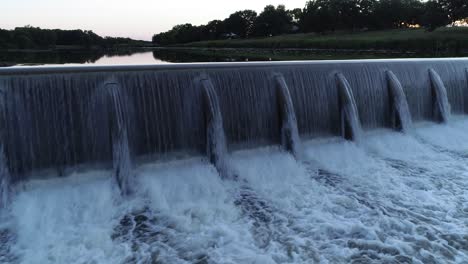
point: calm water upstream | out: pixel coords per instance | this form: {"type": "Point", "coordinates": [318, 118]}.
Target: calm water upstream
{"type": "Point", "coordinates": [174, 55]}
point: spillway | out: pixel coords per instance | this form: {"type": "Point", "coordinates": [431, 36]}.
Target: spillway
{"type": "Point", "coordinates": [288, 162]}
{"type": "Point", "coordinates": [50, 120]}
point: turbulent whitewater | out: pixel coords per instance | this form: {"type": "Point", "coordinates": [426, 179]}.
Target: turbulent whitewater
{"type": "Point", "coordinates": [396, 199]}
{"type": "Point", "coordinates": [314, 162]}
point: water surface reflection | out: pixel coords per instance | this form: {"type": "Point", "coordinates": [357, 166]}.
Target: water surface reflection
{"type": "Point", "coordinates": [179, 55]}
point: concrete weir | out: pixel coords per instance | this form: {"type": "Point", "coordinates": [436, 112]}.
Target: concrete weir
{"type": "Point", "coordinates": [161, 111]}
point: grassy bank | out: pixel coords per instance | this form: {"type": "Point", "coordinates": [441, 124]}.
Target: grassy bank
{"type": "Point", "coordinates": [189, 54]}
{"type": "Point", "coordinates": [453, 40]}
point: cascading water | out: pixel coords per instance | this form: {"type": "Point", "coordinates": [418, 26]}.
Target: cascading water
{"type": "Point", "coordinates": [389, 198]}
{"type": "Point", "coordinates": [442, 106]}
{"type": "Point", "coordinates": [216, 140]}
{"type": "Point", "coordinates": [5, 178]}
{"type": "Point", "coordinates": [4, 181]}
{"type": "Point", "coordinates": [401, 116]}
{"type": "Point", "coordinates": [350, 123]}
{"type": "Point", "coordinates": [289, 132]}
{"type": "Point", "coordinates": [116, 111]}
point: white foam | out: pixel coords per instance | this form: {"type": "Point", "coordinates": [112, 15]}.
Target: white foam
{"type": "Point", "coordinates": [73, 219]}
{"type": "Point", "coordinates": [66, 220]}
{"type": "Point", "coordinates": [452, 136]}
{"type": "Point", "coordinates": [393, 197]}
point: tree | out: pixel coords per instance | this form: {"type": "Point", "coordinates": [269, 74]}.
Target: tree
{"type": "Point", "coordinates": [329, 15]}
{"type": "Point", "coordinates": [295, 14]}
{"type": "Point", "coordinates": [398, 13]}
{"type": "Point", "coordinates": [241, 23]}
{"type": "Point", "coordinates": [272, 21]}
{"type": "Point", "coordinates": [309, 20]}
{"type": "Point", "coordinates": [413, 10]}
{"type": "Point", "coordinates": [213, 30]}
{"type": "Point", "coordinates": [365, 17]}
{"type": "Point", "coordinates": [456, 9]}
{"type": "Point", "coordinates": [323, 16]}
{"type": "Point", "coordinates": [183, 33]}
{"type": "Point", "coordinates": [5, 38]}
{"type": "Point", "coordinates": [29, 37]}
{"type": "Point", "coordinates": [435, 16]}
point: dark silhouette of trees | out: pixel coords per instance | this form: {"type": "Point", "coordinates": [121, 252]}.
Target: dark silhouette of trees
{"type": "Point", "coordinates": [29, 37]}
{"type": "Point", "coordinates": [331, 15]}
{"type": "Point", "coordinates": [455, 9]}
{"type": "Point", "coordinates": [313, 17]}
{"type": "Point", "coordinates": [322, 16]}
{"type": "Point", "coordinates": [241, 23]}
{"type": "Point", "coordinates": [213, 30]}
{"type": "Point", "coordinates": [434, 15]}
{"type": "Point", "coordinates": [273, 21]}
{"type": "Point", "coordinates": [319, 16]}
{"type": "Point", "coordinates": [295, 14]}
{"type": "Point", "coordinates": [183, 33]}
{"type": "Point", "coordinates": [398, 13]}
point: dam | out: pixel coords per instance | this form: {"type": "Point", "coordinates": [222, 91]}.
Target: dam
{"type": "Point", "coordinates": [278, 162]}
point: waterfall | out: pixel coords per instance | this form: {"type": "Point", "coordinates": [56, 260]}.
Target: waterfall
{"type": "Point", "coordinates": [4, 181]}
{"type": "Point", "coordinates": [5, 178]}
{"type": "Point", "coordinates": [289, 132]}
{"type": "Point", "coordinates": [441, 103]}
{"type": "Point", "coordinates": [216, 147]}
{"type": "Point", "coordinates": [121, 157]}
{"type": "Point", "coordinates": [153, 131]}
{"type": "Point", "coordinates": [51, 124]}
{"type": "Point", "coordinates": [350, 123]}
{"type": "Point", "coordinates": [400, 114]}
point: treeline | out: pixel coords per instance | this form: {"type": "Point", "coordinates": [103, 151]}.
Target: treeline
{"type": "Point", "coordinates": [29, 37]}
{"type": "Point", "coordinates": [322, 16]}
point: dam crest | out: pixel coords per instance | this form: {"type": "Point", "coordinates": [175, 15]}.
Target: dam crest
{"type": "Point", "coordinates": [54, 118]}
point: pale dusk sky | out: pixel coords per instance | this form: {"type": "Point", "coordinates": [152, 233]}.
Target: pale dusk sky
{"type": "Point", "coordinates": [138, 19]}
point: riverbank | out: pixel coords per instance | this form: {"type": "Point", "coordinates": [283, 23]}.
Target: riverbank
{"type": "Point", "coordinates": [440, 41]}
{"type": "Point", "coordinates": [179, 54]}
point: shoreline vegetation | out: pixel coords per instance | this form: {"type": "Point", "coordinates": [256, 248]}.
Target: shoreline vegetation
{"type": "Point", "coordinates": [440, 42]}
{"type": "Point", "coordinates": [29, 38]}
{"type": "Point", "coordinates": [28, 44]}
{"type": "Point", "coordinates": [322, 29]}
{"type": "Point", "coordinates": [424, 27]}
{"type": "Point", "coordinates": [443, 41]}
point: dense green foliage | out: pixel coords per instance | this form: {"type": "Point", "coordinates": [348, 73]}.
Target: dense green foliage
{"type": "Point", "coordinates": [322, 16]}
{"type": "Point", "coordinates": [36, 38]}
{"type": "Point", "coordinates": [443, 41]}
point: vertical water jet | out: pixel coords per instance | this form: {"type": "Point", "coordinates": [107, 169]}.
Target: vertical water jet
{"type": "Point", "coordinates": [5, 180]}
{"type": "Point", "coordinates": [121, 157]}
{"type": "Point", "coordinates": [400, 114]}
{"type": "Point", "coordinates": [289, 132]}
{"type": "Point", "coordinates": [350, 124]}
{"type": "Point", "coordinates": [5, 177]}
{"type": "Point", "coordinates": [441, 103]}
{"type": "Point", "coordinates": [216, 146]}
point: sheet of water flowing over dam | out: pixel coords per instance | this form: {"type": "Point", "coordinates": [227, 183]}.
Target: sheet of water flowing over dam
{"type": "Point", "coordinates": [330, 162]}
